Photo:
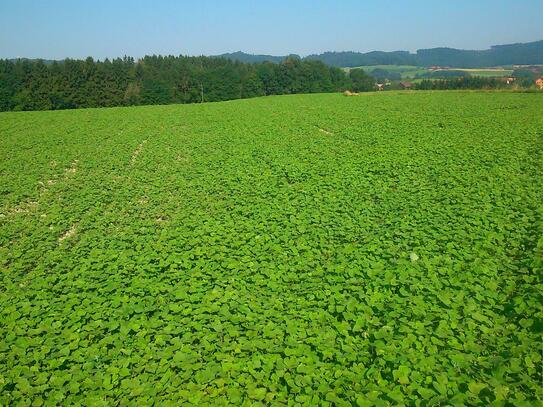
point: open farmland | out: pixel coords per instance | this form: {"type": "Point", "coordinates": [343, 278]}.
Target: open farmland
{"type": "Point", "coordinates": [485, 72]}
{"type": "Point", "coordinates": [311, 249]}
{"type": "Point", "coordinates": [406, 71]}
{"type": "Point", "coordinates": [412, 72]}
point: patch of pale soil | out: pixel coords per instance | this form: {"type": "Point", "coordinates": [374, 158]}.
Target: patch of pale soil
{"type": "Point", "coordinates": [48, 183]}
{"type": "Point", "coordinates": [137, 152]}
{"type": "Point", "coordinates": [182, 158]}
{"type": "Point", "coordinates": [326, 132]}
{"type": "Point", "coordinates": [68, 234]}
{"type": "Point", "coordinates": [73, 168]}
{"type": "Point", "coordinates": [24, 207]}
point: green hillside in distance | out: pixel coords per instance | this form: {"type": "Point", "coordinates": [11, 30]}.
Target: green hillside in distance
{"type": "Point", "coordinates": [530, 53]}
{"type": "Point", "coordinates": [381, 249]}
{"type": "Point", "coordinates": [251, 58]}
{"type": "Point", "coordinates": [410, 72]}
{"type": "Point", "coordinates": [498, 55]}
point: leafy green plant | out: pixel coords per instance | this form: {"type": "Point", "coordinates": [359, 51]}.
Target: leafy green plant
{"type": "Point", "coordinates": [235, 254]}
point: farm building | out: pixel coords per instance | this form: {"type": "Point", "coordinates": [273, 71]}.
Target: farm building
{"type": "Point", "coordinates": [406, 85]}
{"type": "Point", "coordinates": [507, 80]}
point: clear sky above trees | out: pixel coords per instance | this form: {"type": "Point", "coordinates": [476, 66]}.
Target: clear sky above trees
{"type": "Point", "coordinates": [108, 28]}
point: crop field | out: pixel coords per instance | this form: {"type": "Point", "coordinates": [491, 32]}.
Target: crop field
{"type": "Point", "coordinates": [406, 71]}
{"type": "Point", "coordinates": [484, 72]}
{"type": "Point", "coordinates": [324, 250]}
{"type": "Point", "coordinates": [411, 72]}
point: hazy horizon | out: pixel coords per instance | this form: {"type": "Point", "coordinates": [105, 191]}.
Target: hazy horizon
{"type": "Point", "coordinates": [61, 29]}
{"type": "Point", "coordinates": [255, 53]}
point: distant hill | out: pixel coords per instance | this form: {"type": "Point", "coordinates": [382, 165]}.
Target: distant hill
{"type": "Point", "coordinates": [513, 54]}
{"type": "Point", "coordinates": [530, 53]}
{"type": "Point", "coordinates": [45, 61]}
{"type": "Point", "coordinates": [350, 59]}
{"type": "Point", "coordinates": [250, 58]}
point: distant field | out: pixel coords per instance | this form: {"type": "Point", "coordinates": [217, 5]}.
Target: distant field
{"type": "Point", "coordinates": [410, 72]}
{"type": "Point", "coordinates": [489, 72]}
{"type": "Point", "coordinates": [290, 250]}
{"type": "Point", "coordinates": [407, 71]}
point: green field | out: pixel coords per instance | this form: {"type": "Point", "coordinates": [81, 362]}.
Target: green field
{"type": "Point", "coordinates": [487, 73]}
{"type": "Point", "coordinates": [407, 71]}
{"type": "Point", "coordinates": [410, 71]}
{"type": "Point", "coordinates": [290, 250]}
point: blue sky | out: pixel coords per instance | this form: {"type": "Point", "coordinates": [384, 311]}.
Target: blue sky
{"type": "Point", "coordinates": [108, 28]}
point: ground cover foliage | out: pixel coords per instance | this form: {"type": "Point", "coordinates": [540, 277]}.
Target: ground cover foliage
{"type": "Point", "coordinates": [288, 250]}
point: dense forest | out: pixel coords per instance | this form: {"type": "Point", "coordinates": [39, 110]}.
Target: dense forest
{"type": "Point", "coordinates": [512, 54]}
{"type": "Point", "coordinates": [36, 85]}
{"type": "Point", "coordinates": [468, 82]}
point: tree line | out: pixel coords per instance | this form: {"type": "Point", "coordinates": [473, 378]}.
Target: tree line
{"type": "Point", "coordinates": [466, 82]}
{"type": "Point", "coordinates": [68, 84]}
{"type": "Point", "coordinates": [511, 54]}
